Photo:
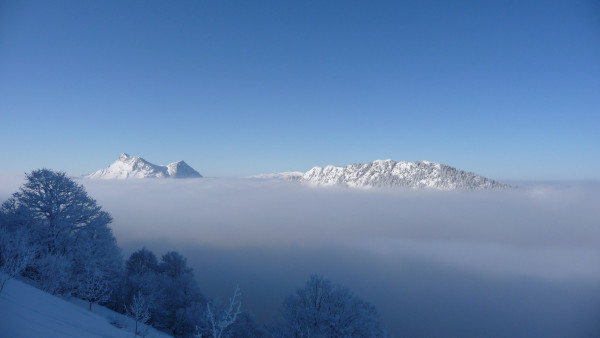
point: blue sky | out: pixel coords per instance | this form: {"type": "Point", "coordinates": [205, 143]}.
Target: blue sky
{"type": "Point", "coordinates": [507, 89]}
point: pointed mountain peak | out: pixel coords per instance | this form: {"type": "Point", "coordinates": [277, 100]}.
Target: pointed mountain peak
{"type": "Point", "coordinates": [181, 169]}
{"type": "Point", "coordinates": [128, 166]}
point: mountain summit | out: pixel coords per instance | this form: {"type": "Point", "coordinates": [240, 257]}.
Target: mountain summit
{"type": "Point", "coordinates": [136, 167]}
{"type": "Point", "coordinates": [390, 174]}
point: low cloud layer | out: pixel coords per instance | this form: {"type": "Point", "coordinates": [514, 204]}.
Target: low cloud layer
{"type": "Point", "coordinates": [432, 262]}
{"type": "Point", "coordinates": [546, 231]}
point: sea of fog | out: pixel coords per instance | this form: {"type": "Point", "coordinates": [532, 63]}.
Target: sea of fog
{"type": "Point", "coordinates": [522, 262]}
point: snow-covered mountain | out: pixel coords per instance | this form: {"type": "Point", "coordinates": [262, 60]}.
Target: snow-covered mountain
{"type": "Point", "coordinates": [136, 167]}
{"type": "Point", "coordinates": [388, 173]}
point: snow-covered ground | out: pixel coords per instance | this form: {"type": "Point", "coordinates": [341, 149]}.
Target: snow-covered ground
{"type": "Point", "coordinates": [26, 311]}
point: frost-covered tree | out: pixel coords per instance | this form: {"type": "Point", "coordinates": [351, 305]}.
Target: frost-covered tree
{"type": "Point", "coordinates": [15, 253]}
{"type": "Point", "coordinates": [141, 262]}
{"type": "Point", "coordinates": [68, 230]}
{"type": "Point", "coordinates": [97, 251]}
{"type": "Point", "coordinates": [94, 287]}
{"type": "Point", "coordinates": [141, 269]}
{"type": "Point", "coordinates": [58, 207]}
{"type": "Point", "coordinates": [322, 309]}
{"type": "Point", "coordinates": [175, 301]}
{"type": "Point", "coordinates": [246, 326]}
{"type": "Point", "coordinates": [142, 273]}
{"type": "Point", "coordinates": [14, 217]}
{"type": "Point", "coordinates": [142, 277]}
{"type": "Point", "coordinates": [179, 295]}
{"type": "Point", "coordinates": [219, 318]}
{"type": "Point", "coordinates": [138, 310]}
{"type": "Point", "coordinates": [173, 265]}
{"type": "Point", "coordinates": [55, 274]}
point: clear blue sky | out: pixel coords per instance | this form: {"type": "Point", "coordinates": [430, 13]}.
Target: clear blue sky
{"type": "Point", "coordinates": [507, 89]}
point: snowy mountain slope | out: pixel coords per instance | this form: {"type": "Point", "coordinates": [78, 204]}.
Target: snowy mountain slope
{"type": "Point", "coordinates": [388, 173]}
{"type": "Point", "coordinates": [181, 170]}
{"type": "Point", "coordinates": [136, 167]}
{"type": "Point", "coordinates": [29, 312]}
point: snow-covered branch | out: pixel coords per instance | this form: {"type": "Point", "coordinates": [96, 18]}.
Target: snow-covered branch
{"type": "Point", "coordinates": [219, 322]}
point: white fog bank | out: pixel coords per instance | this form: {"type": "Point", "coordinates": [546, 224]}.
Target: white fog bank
{"type": "Point", "coordinates": [544, 230]}
{"type": "Point", "coordinates": [522, 262]}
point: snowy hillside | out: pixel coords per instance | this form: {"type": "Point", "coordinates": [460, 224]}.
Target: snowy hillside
{"type": "Point", "coordinates": [388, 173]}
{"type": "Point", "coordinates": [29, 312]}
{"type": "Point", "coordinates": [136, 167]}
